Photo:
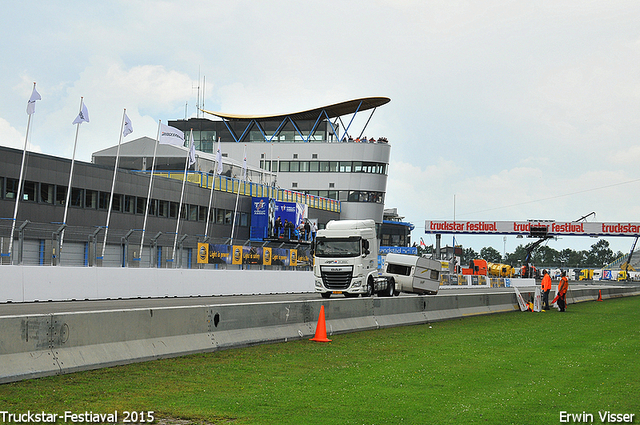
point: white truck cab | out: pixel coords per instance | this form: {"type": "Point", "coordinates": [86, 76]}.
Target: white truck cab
{"type": "Point", "coordinates": [346, 258]}
{"type": "Point", "coordinates": [346, 262]}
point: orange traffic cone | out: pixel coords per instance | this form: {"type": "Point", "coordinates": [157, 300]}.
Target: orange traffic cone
{"type": "Point", "coordinates": [599, 295]}
{"type": "Point", "coordinates": [321, 329]}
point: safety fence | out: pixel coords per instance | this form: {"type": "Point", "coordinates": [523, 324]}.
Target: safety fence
{"type": "Point", "coordinates": [226, 184]}
{"type": "Point", "coordinates": [51, 244]}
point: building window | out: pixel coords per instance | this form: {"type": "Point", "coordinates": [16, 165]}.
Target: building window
{"type": "Point", "coordinates": [294, 184]}
{"type": "Point", "coordinates": [61, 195]}
{"type": "Point", "coordinates": [29, 191]}
{"type": "Point", "coordinates": [345, 166]}
{"type": "Point", "coordinates": [117, 202]}
{"type": "Point", "coordinates": [11, 189]}
{"type": "Point", "coordinates": [163, 208]}
{"type": "Point", "coordinates": [90, 199]}
{"type": "Point", "coordinates": [77, 195]}
{"type": "Point", "coordinates": [103, 203]}
{"type": "Point", "coordinates": [46, 193]}
{"type": "Point", "coordinates": [129, 204]}
{"type": "Point", "coordinates": [202, 213]}
{"type": "Point", "coordinates": [141, 203]}
{"type": "Point", "coordinates": [153, 207]}
{"type": "Point", "coordinates": [314, 156]}
{"type": "Point", "coordinates": [365, 196]}
{"type": "Point", "coordinates": [295, 156]}
{"type": "Point", "coordinates": [173, 209]}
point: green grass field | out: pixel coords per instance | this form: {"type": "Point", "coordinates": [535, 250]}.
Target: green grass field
{"type": "Point", "coordinates": [511, 368]}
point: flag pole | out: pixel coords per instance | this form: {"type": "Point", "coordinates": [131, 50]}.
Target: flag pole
{"type": "Point", "coordinates": [146, 210]}
{"type": "Point", "coordinates": [113, 184]}
{"type": "Point", "coordinates": [184, 181]}
{"type": "Point", "coordinates": [66, 202]}
{"type": "Point", "coordinates": [213, 185]}
{"type": "Point", "coordinates": [15, 210]}
{"type": "Point", "coordinates": [244, 178]}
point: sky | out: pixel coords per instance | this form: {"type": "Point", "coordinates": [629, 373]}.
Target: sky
{"type": "Point", "coordinates": [500, 110]}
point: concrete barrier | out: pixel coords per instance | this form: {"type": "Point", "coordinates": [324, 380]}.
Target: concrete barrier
{"type": "Point", "coordinates": [37, 283]}
{"type": "Point", "coordinates": [43, 345]}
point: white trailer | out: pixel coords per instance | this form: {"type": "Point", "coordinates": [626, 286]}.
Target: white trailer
{"type": "Point", "coordinates": [413, 274]}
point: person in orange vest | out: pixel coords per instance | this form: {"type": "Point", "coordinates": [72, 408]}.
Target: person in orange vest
{"type": "Point", "coordinates": [546, 288]}
{"type": "Point", "coordinates": [563, 286]}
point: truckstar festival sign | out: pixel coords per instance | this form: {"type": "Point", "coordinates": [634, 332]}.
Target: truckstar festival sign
{"type": "Point", "coordinates": [554, 228]}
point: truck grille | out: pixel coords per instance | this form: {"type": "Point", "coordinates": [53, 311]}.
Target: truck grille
{"type": "Point", "coordinates": [336, 277]}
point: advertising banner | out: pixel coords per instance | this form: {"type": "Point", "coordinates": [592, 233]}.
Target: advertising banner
{"type": "Point", "coordinates": [203, 253]}
{"type": "Point", "coordinates": [253, 255]}
{"type": "Point", "coordinates": [237, 255]}
{"type": "Point", "coordinates": [260, 218]}
{"type": "Point", "coordinates": [266, 256]}
{"type": "Point", "coordinates": [524, 227]}
{"type": "Point", "coordinates": [265, 212]}
{"type": "Point", "coordinates": [280, 257]}
{"type": "Point", "coordinates": [410, 250]}
{"type": "Point", "coordinates": [219, 254]}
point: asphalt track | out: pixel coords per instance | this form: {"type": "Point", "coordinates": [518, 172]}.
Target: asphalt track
{"type": "Point", "coordinates": [51, 307]}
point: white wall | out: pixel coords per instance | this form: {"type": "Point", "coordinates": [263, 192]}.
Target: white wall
{"type": "Point", "coordinates": [41, 283]}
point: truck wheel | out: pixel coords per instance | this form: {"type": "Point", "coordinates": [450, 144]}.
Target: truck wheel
{"type": "Point", "coordinates": [326, 295]}
{"type": "Point", "coordinates": [369, 292]}
{"type": "Point", "coordinates": [391, 288]}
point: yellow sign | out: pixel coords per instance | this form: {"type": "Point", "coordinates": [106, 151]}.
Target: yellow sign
{"type": "Point", "coordinates": [266, 256]}
{"type": "Point", "coordinates": [237, 254]}
{"type": "Point", "coordinates": [293, 258]}
{"type": "Point", "coordinates": [203, 253]}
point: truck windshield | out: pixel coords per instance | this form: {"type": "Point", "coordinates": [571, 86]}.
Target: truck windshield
{"type": "Point", "coordinates": [337, 247]}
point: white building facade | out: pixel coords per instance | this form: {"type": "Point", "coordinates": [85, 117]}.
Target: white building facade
{"type": "Point", "coordinates": [311, 152]}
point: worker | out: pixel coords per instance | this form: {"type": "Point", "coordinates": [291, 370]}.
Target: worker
{"type": "Point", "coordinates": [563, 286]}
{"type": "Point", "coordinates": [546, 288]}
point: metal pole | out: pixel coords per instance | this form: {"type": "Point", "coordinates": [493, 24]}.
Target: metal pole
{"type": "Point", "coordinates": [66, 203]}
{"type": "Point", "coordinates": [146, 211]}
{"type": "Point", "coordinates": [18, 194]}
{"type": "Point", "coordinates": [113, 185]}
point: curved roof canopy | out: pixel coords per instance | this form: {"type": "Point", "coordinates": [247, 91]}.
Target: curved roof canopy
{"type": "Point", "coordinates": [332, 111]}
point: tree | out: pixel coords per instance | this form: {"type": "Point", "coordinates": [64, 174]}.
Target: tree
{"type": "Point", "coordinates": [491, 254]}
{"type": "Point", "coordinates": [600, 254]}
{"type": "Point", "coordinates": [571, 258]}
{"type": "Point", "coordinates": [426, 249]}
{"type": "Point", "coordinates": [516, 257]}
{"type": "Point", "coordinates": [468, 254]}
{"type": "Point", "coordinates": [546, 256]}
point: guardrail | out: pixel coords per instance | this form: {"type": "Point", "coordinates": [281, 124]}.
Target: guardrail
{"type": "Point", "coordinates": [50, 344]}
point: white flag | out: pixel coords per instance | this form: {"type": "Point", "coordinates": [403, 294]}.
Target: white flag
{"type": "Point", "coordinates": [192, 152]}
{"type": "Point", "coordinates": [171, 136]}
{"type": "Point", "coordinates": [219, 158]}
{"type": "Point", "coordinates": [128, 128]}
{"type": "Point", "coordinates": [31, 104]}
{"type": "Point", "coordinates": [83, 116]}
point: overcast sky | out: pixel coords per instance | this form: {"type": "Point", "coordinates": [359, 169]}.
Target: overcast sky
{"type": "Point", "coordinates": [517, 110]}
